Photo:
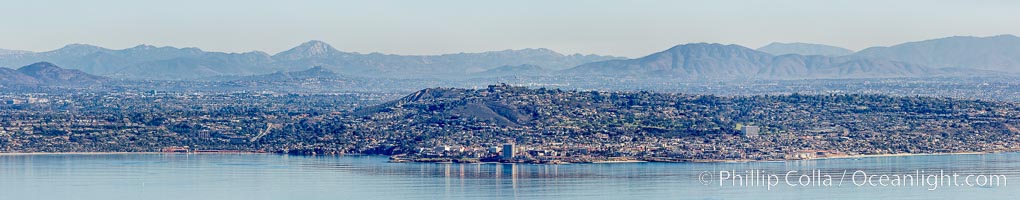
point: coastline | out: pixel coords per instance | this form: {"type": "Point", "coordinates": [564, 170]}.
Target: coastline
{"type": "Point", "coordinates": [71, 153]}
{"type": "Point", "coordinates": [618, 161]}
{"type": "Point", "coordinates": [906, 154]}
{"type": "Point", "coordinates": [847, 157]}
{"type": "Point", "coordinates": [113, 153]}
{"type": "Point", "coordinates": [591, 162]}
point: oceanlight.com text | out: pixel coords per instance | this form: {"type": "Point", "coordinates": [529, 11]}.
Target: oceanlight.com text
{"type": "Point", "coordinates": [927, 179]}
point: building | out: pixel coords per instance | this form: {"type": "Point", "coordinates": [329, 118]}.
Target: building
{"type": "Point", "coordinates": [13, 101]}
{"type": "Point", "coordinates": [443, 148]}
{"type": "Point", "coordinates": [33, 100]}
{"type": "Point", "coordinates": [750, 131]}
{"type": "Point", "coordinates": [509, 151]}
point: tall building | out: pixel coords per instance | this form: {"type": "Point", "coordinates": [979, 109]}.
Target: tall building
{"type": "Point", "coordinates": [750, 131]}
{"type": "Point", "coordinates": [509, 151]}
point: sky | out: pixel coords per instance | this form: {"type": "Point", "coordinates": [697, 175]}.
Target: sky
{"type": "Point", "coordinates": [630, 28]}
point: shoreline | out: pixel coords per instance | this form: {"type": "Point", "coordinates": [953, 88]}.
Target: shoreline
{"type": "Point", "coordinates": [618, 161]}
{"type": "Point", "coordinates": [72, 153]}
{"type": "Point", "coordinates": [593, 162]}
{"type": "Point", "coordinates": [905, 154]}
{"type": "Point", "coordinates": [115, 153]}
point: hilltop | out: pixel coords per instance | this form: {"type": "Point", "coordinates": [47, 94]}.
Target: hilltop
{"type": "Point", "coordinates": [779, 48]}
{"type": "Point", "coordinates": [44, 73]}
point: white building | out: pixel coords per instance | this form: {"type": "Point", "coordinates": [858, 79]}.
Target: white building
{"type": "Point", "coordinates": [750, 131]}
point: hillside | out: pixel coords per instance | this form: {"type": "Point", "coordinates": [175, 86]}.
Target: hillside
{"type": "Point", "coordinates": [717, 61]}
{"type": "Point", "coordinates": [997, 53]}
{"type": "Point", "coordinates": [316, 72]}
{"type": "Point", "coordinates": [540, 117]}
{"type": "Point", "coordinates": [44, 73]}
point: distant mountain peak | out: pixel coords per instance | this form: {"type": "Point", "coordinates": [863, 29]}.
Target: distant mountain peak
{"type": "Point", "coordinates": [700, 46]}
{"type": "Point", "coordinates": [79, 45]}
{"type": "Point", "coordinates": [702, 49]}
{"type": "Point", "coordinates": [79, 48]}
{"type": "Point", "coordinates": [316, 72]}
{"type": "Point", "coordinates": [316, 44]}
{"type": "Point", "coordinates": [147, 47]}
{"type": "Point", "coordinates": [39, 66]}
{"type": "Point", "coordinates": [48, 73]}
{"type": "Point", "coordinates": [996, 53]}
{"type": "Point", "coordinates": [538, 50]}
{"type": "Point", "coordinates": [144, 46]}
{"type": "Point", "coordinates": [310, 49]}
{"type": "Point", "coordinates": [318, 69]}
{"type": "Point", "coordinates": [807, 49]}
{"type": "Point", "coordinates": [525, 51]}
{"type": "Point", "coordinates": [258, 53]}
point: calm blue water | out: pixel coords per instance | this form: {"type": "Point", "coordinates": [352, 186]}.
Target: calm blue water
{"type": "Point", "coordinates": [268, 176]}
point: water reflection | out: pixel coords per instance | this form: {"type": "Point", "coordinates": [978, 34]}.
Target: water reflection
{"type": "Point", "coordinates": [267, 176]}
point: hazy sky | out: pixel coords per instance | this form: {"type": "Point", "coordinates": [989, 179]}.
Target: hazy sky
{"type": "Point", "coordinates": [625, 28]}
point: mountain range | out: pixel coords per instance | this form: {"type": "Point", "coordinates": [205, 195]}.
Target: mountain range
{"type": "Point", "coordinates": [150, 62]}
{"type": "Point", "coordinates": [317, 53]}
{"type": "Point", "coordinates": [951, 56]}
{"type": "Point", "coordinates": [997, 53]}
{"type": "Point", "coordinates": [44, 73]}
{"type": "Point", "coordinates": [718, 61]}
